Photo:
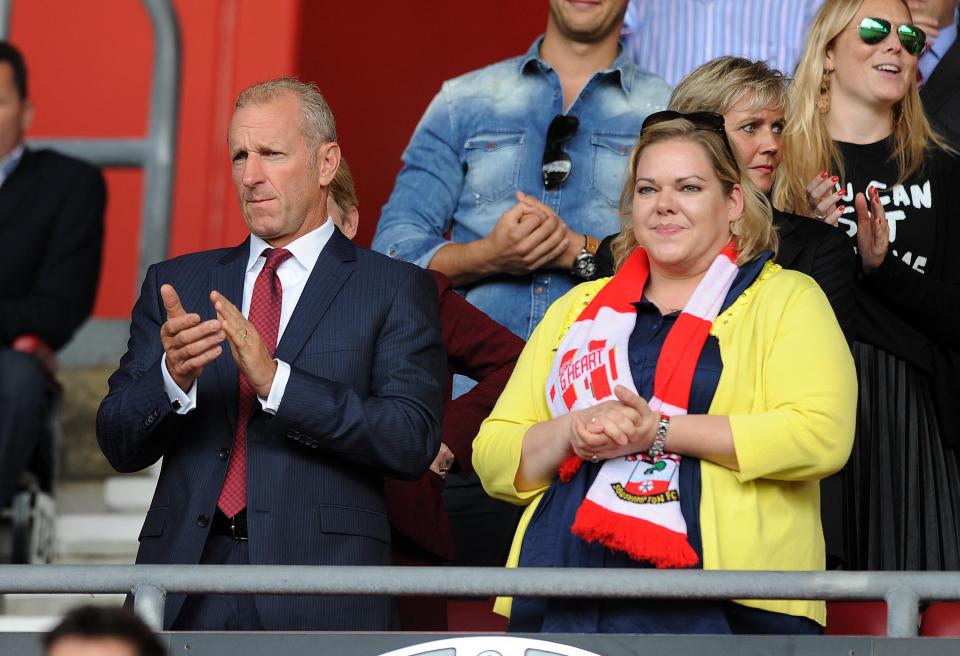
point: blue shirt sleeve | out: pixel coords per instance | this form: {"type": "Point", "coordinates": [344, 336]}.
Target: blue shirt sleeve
{"type": "Point", "coordinates": [415, 220]}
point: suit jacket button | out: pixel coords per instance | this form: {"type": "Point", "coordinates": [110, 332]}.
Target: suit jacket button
{"type": "Point", "coordinates": [202, 521]}
{"type": "Point", "coordinates": [223, 454]}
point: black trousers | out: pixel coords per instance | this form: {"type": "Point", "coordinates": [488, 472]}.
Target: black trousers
{"type": "Point", "coordinates": [26, 400]}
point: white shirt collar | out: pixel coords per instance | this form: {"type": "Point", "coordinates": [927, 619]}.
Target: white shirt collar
{"type": "Point", "coordinates": [305, 249]}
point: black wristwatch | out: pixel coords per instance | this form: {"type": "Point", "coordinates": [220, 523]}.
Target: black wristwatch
{"type": "Point", "coordinates": [585, 264]}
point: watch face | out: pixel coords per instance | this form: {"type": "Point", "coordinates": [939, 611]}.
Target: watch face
{"type": "Point", "coordinates": [585, 265]}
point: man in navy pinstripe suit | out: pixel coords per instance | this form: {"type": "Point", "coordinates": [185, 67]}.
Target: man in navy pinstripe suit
{"type": "Point", "coordinates": [352, 393]}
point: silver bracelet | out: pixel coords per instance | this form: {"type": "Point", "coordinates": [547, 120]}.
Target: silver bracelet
{"type": "Point", "coordinates": [656, 447]}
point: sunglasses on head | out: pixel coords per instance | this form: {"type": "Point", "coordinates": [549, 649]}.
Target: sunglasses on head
{"type": "Point", "coordinates": [707, 121]}
{"type": "Point", "coordinates": [875, 30]}
{"type": "Point", "coordinates": [556, 165]}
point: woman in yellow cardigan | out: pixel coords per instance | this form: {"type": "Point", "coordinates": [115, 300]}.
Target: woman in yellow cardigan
{"type": "Point", "coordinates": [680, 413]}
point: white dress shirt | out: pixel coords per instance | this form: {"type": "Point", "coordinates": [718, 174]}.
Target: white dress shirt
{"type": "Point", "coordinates": [293, 274]}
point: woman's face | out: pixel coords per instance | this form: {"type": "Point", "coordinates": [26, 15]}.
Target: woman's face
{"type": "Point", "coordinates": [681, 213]}
{"type": "Point", "coordinates": [756, 135]}
{"type": "Point", "coordinates": [347, 222]}
{"type": "Point", "coordinates": [876, 75]}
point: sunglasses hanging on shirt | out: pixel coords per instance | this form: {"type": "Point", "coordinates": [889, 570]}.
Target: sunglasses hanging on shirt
{"type": "Point", "coordinates": [875, 30]}
{"type": "Point", "coordinates": [557, 164]}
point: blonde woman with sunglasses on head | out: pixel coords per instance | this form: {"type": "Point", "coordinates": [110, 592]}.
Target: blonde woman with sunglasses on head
{"type": "Point", "coordinates": [681, 413]}
{"type": "Point", "coordinates": [860, 154]}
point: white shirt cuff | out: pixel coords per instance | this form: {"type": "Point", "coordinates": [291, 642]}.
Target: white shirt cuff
{"type": "Point", "coordinates": [271, 404]}
{"type": "Point", "coordinates": [182, 402]}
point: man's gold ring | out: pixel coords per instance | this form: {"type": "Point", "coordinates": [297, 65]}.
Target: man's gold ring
{"type": "Point", "coordinates": [243, 334]}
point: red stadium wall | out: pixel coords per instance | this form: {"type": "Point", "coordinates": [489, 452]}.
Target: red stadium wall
{"type": "Point", "coordinates": [379, 69]}
{"type": "Point", "coordinates": [378, 63]}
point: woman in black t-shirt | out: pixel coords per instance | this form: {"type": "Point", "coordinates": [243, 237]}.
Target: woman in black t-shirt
{"type": "Point", "coordinates": [860, 154]}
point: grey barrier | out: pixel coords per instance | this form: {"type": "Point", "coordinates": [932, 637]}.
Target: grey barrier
{"type": "Point", "coordinates": [154, 152]}
{"type": "Point", "coordinates": [149, 584]}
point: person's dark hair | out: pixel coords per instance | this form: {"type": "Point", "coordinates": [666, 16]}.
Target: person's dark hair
{"type": "Point", "coordinates": [94, 622]}
{"type": "Point", "coordinates": [13, 57]}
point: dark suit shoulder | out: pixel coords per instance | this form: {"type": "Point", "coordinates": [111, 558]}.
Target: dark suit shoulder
{"type": "Point", "coordinates": [193, 264]}
{"type": "Point", "coordinates": [940, 97]}
{"type": "Point", "coordinates": [64, 167]}
{"type": "Point", "coordinates": [380, 265]}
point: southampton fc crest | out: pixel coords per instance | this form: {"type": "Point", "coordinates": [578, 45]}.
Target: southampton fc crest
{"type": "Point", "coordinates": [651, 480]}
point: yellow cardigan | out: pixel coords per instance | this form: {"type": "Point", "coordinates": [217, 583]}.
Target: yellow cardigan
{"type": "Point", "coordinates": [790, 390]}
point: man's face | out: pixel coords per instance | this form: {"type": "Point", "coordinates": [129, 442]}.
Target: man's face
{"type": "Point", "coordinates": [84, 646]}
{"type": "Point", "coordinates": [587, 21]}
{"type": "Point", "coordinates": [282, 193]}
{"type": "Point", "coordinates": [15, 112]}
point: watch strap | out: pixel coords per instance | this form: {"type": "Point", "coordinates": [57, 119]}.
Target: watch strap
{"type": "Point", "coordinates": [591, 244]}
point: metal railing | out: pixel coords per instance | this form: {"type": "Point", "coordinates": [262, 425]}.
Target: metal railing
{"type": "Point", "coordinates": [149, 584]}
{"type": "Point", "coordinates": [155, 153]}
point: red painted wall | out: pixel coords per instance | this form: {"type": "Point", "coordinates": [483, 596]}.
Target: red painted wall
{"type": "Point", "coordinates": [378, 63]}
{"type": "Point", "coordinates": [90, 78]}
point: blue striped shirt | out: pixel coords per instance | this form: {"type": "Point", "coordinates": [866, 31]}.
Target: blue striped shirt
{"type": "Point", "coordinates": [673, 37]}
{"type": "Point", "coordinates": [9, 162]}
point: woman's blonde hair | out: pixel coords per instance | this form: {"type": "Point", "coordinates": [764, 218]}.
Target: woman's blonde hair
{"type": "Point", "coordinates": [342, 190]}
{"type": "Point", "coordinates": [720, 84]}
{"type": "Point", "coordinates": [808, 147]}
{"type": "Point", "coordinates": [753, 231]}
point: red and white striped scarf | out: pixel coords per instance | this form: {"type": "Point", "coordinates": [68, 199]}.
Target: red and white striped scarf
{"type": "Point", "coordinates": [633, 506]}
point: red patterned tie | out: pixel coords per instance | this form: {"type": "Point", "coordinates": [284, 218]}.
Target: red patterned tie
{"type": "Point", "coordinates": [265, 317]}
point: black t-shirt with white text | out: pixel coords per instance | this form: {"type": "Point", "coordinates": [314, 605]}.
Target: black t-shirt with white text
{"type": "Point", "coordinates": [914, 209]}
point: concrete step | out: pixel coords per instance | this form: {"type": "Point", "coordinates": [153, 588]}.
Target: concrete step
{"type": "Point", "coordinates": [129, 494]}
{"type": "Point", "coordinates": [40, 612]}
{"type": "Point", "coordinates": [28, 623]}
{"type": "Point", "coordinates": [81, 496]}
{"type": "Point", "coordinates": [37, 605]}
{"type": "Point", "coordinates": [98, 537]}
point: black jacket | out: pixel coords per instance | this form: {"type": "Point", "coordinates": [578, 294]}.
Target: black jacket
{"type": "Point", "coordinates": [51, 222]}
{"type": "Point", "coordinates": [941, 94]}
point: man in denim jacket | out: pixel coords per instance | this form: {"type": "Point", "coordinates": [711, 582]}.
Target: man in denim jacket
{"type": "Point", "coordinates": [475, 166]}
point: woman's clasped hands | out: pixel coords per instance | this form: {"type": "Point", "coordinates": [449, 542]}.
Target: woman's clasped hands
{"type": "Point", "coordinates": [613, 428]}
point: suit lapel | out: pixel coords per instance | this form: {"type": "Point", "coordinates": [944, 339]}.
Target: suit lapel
{"type": "Point", "coordinates": [227, 278]}
{"type": "Point", "coordinates": [331, 271]}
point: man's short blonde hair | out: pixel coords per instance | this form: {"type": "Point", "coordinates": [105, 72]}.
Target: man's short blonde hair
{"type": "Point", "coordinates": [318, 124]}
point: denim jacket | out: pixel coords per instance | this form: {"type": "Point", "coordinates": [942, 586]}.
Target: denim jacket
{"type": "Point", "coordinates": [482, 139]}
